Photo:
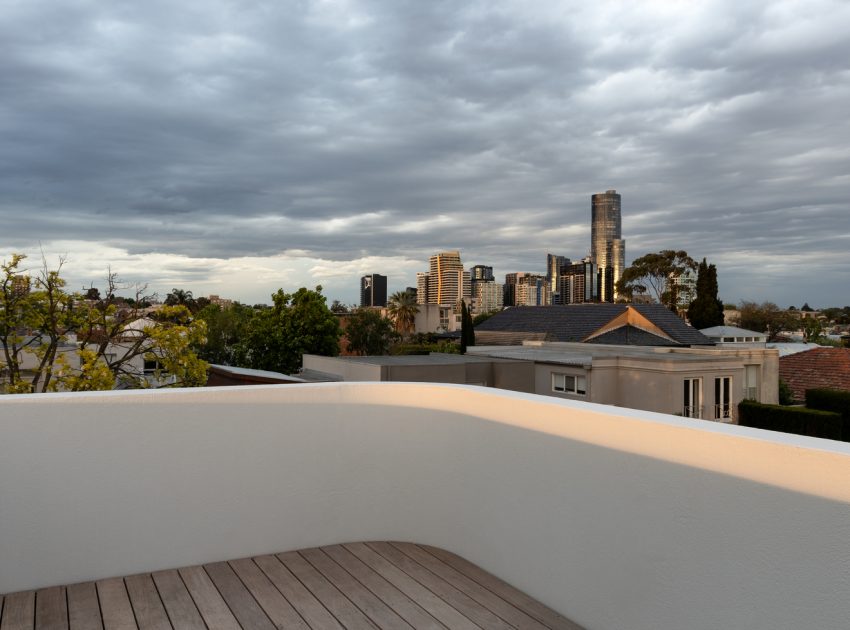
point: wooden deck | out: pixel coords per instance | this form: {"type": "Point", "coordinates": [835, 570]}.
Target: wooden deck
{"type": "Point", "coordinates": [357, 585]}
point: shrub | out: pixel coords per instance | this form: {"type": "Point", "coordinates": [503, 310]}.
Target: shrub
{"type": "Point", "coordinates": [798, 420]}
{"type": "Point", "coordinates": [834, 400]}
{"type": "Point", "coordinates": [829, 400]}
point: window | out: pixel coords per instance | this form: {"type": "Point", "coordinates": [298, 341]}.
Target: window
{"type": "Point", "coordinates": [751, 375]}
{"type": "Point", "coordinates": [722, 398]}
{"type": "Point", "coordinates": [692, 407]}
{"type": "Point", "coordinates": [151, 366]}
{"type": "Point", "coordinates": [569, 384]}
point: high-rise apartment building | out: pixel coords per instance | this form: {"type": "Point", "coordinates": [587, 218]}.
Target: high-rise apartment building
{"type": "Point", "coordinates": [422, 284]}
{"type": "Point", "coordinates": [509, 298]}
{"type": "Point", "coordinates": [373, 290]}
{"type": "Point", "coordinates": [487, 296]}
{"type": "Point", "coordinates": [607, 247]}
{"type": "Point", "coordinates": [531, 289]}
{"type": "Point", "coordinates": [579, 282]}
{"type": "Point", "coordinates": [482, 272]}
{"type": "Point", "coordinates": [554, 263]}
{"type": "Point", "coordinates": [448, 283]}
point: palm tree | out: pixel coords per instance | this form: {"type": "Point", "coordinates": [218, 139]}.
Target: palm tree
{"type": "Point", "coordinates": [402, 310]}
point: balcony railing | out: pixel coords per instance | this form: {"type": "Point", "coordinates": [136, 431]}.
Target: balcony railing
{"type": "Point", "coordinates": [724, 413]}
{"type": "Point", "coordinates": [692, 411]}
{"type": "Point", "coordinates": [616, 518]}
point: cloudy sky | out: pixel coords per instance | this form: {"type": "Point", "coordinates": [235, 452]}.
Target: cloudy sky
{"type": "Point", "coordinates": [235, 147]}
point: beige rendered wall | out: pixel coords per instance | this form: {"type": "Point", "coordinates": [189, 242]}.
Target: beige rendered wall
{"type": "Point", "coordinates": [427, 373]}
{"type": "Point", "coordinates": [518, 376]}
{"type": "Point", "coordinates": [346, 370]}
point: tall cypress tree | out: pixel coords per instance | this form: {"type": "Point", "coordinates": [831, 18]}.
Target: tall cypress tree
{"type": "Point", "coordinates": [706, 310]}
{"type": "Point", "coordinates": [467, 330]}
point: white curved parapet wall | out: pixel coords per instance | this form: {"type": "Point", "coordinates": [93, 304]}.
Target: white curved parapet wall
{"type": "Point", "coordinates": [616, 518]}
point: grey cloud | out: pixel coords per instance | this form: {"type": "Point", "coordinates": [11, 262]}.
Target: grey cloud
{"type": "Point", "coordinates": [223, 129]}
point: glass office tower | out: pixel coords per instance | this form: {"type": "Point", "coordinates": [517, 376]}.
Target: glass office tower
{"type": "Point", "coordinates": [607, 247]}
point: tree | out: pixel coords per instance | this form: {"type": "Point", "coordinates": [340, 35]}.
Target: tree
{"type": "Point", "coordinates": [402, 309]}
{"type": "Point", "coordinates": [706, 310]}
{"type": "Point", "coordinates": [339, 308]}
{"type": "Point", "coordinates": [812, 329]}
{"type": "Point", "coordinates": [656, 274]}
{"type": "Point", "coordinates": [368, 333]}
{"type": "Point", "coordinates": [179, 297]}
{"type": "Point", "coordinates": [766, 317]}
{"type": "Point", "coordinates": [227, 332]}
{"type": "Point", "coordinates": [34, 313]}
{"type": "Point", "coordinates": [467, 330]}
{"type": "Point", "coordinates": [53, 340]}
{"type": "Point", "coordinates": [295, 324]}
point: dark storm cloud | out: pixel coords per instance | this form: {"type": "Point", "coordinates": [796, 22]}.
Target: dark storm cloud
{"type": "Point", "coordinates": [354, 128]}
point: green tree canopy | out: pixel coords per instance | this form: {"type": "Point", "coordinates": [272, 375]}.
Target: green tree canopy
{"type": "Point", "coordinates": [654, 274]}
{"type": "Point", "coordinates": [296, 324]}
{"type": "Point", "coordinates": [368, 332]}
{"type": "Point", "coordinates": [227, 332]}
{"type": "Point", "coordinates": [766, 317]}
{"type": "Point", "coordinates": [54, 340]}
{"type": "Point", "coordinates": [706, 310]}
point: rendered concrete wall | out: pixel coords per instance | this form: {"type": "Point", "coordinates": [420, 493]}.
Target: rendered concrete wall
{"type": "Point", "coordinates": [618, 518]}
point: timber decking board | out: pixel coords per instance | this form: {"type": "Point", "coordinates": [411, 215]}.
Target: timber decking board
{"type": "Point", "coordinates": [83, 607]}
{"type": "Point", "coordinates": [447, 615]}
{"type": "Point", "coordinates": [445, 591]}
{"type": "Point", "coordinates": [243, 606]}
{"type": "Point", "coordinates": [473, 589]}
{"type": "Point", "coordinates": [348, 615]}
{"type": "Point", "coordinates": [51, 609]}
{"type": "Point", "coordinates": [212, 607]}
{"type": "Point", "coordinates": [529, 605]}
{"type": "Point", "coordinates": [279, 610]}
{"type": "Point", "coordinates": [18, 611]}
{"type": "Point", "coordinates": [409, 610]}
{"type": "Point", "coordinates": [316, 615]}
{"type": "Point", "coordinates": [178, 603]}
{"type": "Point", "coordinates": [357, 586]}
{"type": "Point", "coordinates": [360, 596]}
{"type": "Point", "coordinates": [147, 605]}
{"type": "Point", "coordinates": [115, 605]}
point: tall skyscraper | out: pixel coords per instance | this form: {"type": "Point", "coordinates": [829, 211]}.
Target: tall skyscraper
{"type": "Point", "coordinates": [448, 283]}
{"type": "Point", "coordinates": [554, 263]}
{"type": "Point", "coordinates": [607, 247]}
{"type": "Point", "coordinates": [373, 290]}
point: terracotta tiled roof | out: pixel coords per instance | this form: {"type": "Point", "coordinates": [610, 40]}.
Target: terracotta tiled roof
{"type": "Point", "coordinates": [818, 367]}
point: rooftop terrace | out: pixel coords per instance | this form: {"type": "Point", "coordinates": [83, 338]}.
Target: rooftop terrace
{"type": "Point", "coordinates": [613, 518]}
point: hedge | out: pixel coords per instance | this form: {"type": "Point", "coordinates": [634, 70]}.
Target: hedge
{"type": "Point", "coordinates": [799, 420]}
{"type": "Point", "coordinates": [829, 400]}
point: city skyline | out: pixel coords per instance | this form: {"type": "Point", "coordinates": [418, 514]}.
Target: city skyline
{"type": "Point", "coordinates": [235, 150]}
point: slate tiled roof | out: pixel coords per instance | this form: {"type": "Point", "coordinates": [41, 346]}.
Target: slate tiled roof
{"type": "Point", "coordinates": [819, 367]}
{"type": "Point", "coordinates": [574, 322]}
{"type": "Point", "coordinates": [630, 336]}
